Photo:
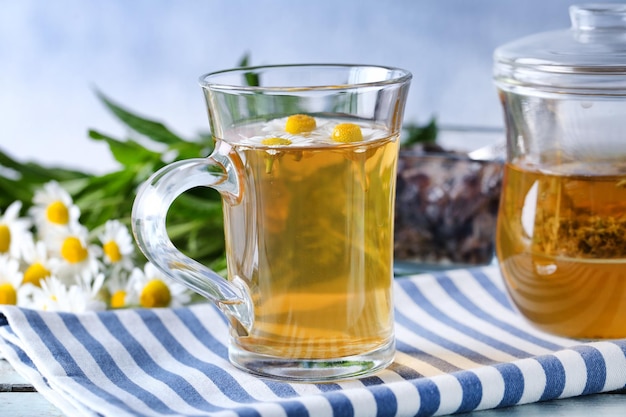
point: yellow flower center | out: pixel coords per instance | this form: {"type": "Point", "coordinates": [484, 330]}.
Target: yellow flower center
{"type": "Point", "coordinates": [118, 299]}
{"type": "Point", "coordinates": [347, 133]}
{"type": "Point", "coordinates": [58, 213]}
{"type": "Point", "coordinates": [276, 141]}
{"type": "Point", "coordinates": [5, 238]}
{"type": "Point", "coordinates": [155, 294]}
{"type": "Point", "coordinates": [8, 295]}
{"type": "Point", "coordinates": [112, 251]}
{"type": "Point", "coordinates": [35, 273]}
{"type": "Point", "coordinates": [73, 250]}
{"type": "Point", "coordinates": [300, 123]}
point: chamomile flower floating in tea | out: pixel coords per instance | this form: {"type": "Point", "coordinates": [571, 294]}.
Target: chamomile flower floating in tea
{"type": "Point", "coordinates": [10, 280]}
{"type": "Point", "coordinates": [298, 132]}
{"type": "Point", "coordinates": [13, 229]}
{"type": "Point", "coordinates": [294, 125]}
{"type": "Point", "coordinates": [117, 244]}
{"type": "Point", "coordinates": [300, 123]}
{"type": "Point", "coordinates": [53, 207]}
{"type": "Point", "coordinates": [351, 133]}
{"type": "Point", "coordinates": [154, 289]}
{"type": "Point", "coordinates": [303, 129]}
{"type": "Point", "coordinates": [274, 143]}
{"type": "Point", "coordinates": [39, 264]}
{"type": "Point", "coordinates": [277, 141]}
{"type": "Point", "coordinates": [347, 133]}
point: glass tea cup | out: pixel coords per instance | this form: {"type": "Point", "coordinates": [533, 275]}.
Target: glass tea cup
{"type": "Point", "coordinates": [561, 233]}
{"type": "Point", "coordinates": [305, 160]}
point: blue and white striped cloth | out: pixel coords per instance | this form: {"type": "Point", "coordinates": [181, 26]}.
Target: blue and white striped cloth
{"type": "Point", "coordinates": [461, 347]}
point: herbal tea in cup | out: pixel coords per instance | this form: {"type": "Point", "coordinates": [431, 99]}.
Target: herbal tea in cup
{"type": "Point", "coordinates": [305, 160]}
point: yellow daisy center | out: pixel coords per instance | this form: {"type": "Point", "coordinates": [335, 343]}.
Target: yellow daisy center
{"type": "Point", "coordinates": [300, 123]}
{"type": "Point", "coordinates": [118, 299]}
{"type": "Point", "coordinates": [276, 141]}
{"type": "Point", "coordinates": [35, 273]}
{"type": "Point", "coordinates": [58, 213]}
{"type": "Point", "coordinates": [8, 295]}
{"type": "Point", "coordinates": [347, 133]}
{"type": "Point", "coordinates": [73, 250]}
{"type": "Point", "coordinates": [155, 294]}
{"type": "Point", "coordinates": [5, 238]}
{"type": "Point", "coordinates": [112, 251]}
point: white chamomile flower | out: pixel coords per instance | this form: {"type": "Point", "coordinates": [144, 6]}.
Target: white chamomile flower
{"type": "Point", "coordinates": [153, 289]}
{"type": "Point", "coordinates": [120, 288]}
{"type": "Point", "coordinates": [348, 132]}
{"type": "Point", "coordinates": [37, 262]}
{"type": "Point", "coordinates": [53, 207]}
{"type": "Point", "coordinates": [13, 230]}
{"type": "Point", "coordinates": [10, 280]}
{"type": "Point", "coordinates": [86, 296]}
{"type": "Point", "coordinates": [80, 300]}
{"type": "Point", "coordinates": [301, 129]}
{"type": "Point", "coordinates": [274, 141]}
{"type": "Point", "coordinates": [296, 125]}
{"type": "Point", "coordinates": [74, 255]}
{"type": "Point", "coordinates": [48, 296]}
{"type": "Point", "coordinates": [55, 295]}
{"type": "Point", "coordinates": [117, 244]}
{"type": "Point", "coordinates": [295, 130]}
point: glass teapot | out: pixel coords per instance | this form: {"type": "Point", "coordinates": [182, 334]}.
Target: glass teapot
{"type": "Point", "coordinates": [561, 234]}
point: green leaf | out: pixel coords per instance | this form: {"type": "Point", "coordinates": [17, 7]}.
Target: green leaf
{"type": "Point", "coordinates": [198, 149]}
{"type": "Point", "coordinates": [9, 193]}
{"type": "Point", "coordinates": [106, 197]}
{"type": "Point", "coordinates": [18, 181]}
{"type": "Point", "coordinates": [245, 60]}
{"type": "Point", "coordinates": [150, 128]}
{"type": "Point", "coordinates": [252, 78]}
{"type": "Point", "coordinates": [421, 134]}
{"type": "Point", "coordinates": [128, 152]}
{"type": "Point", "coordinates": [35, 173]}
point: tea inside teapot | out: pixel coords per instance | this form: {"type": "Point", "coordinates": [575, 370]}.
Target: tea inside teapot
{"type": "Point", "coordinates": [561, 234]}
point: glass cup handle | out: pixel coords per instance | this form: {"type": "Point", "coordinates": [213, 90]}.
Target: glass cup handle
{"type": "Point", "coordinates": [149, 212]}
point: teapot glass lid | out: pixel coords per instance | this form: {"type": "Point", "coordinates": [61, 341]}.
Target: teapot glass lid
{"type": "Point", "coordinates": [589, 58]}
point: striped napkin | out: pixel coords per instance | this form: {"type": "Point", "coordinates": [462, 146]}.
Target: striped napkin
{"type": "Point", "coordinates": [461, 347]}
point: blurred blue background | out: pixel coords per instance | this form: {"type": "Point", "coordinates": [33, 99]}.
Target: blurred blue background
{"type": "Point", "coordinates": [148, 54]}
